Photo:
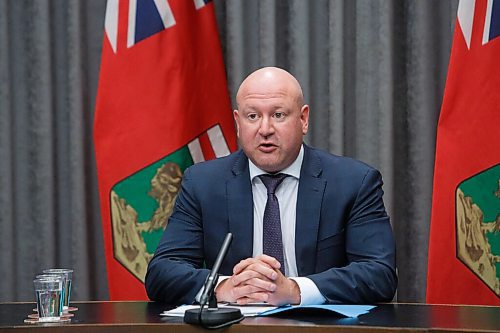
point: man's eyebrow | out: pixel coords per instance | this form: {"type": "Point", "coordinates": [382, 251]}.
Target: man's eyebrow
{"type": "Point", "coordinates": [247, 108]}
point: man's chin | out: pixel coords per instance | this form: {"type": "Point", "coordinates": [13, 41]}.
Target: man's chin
{"type": "Point", "coordinates": [268, 166]}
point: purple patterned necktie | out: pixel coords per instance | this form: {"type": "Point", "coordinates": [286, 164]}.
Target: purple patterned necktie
{"type": "Point", "coordinates": [272, 242]}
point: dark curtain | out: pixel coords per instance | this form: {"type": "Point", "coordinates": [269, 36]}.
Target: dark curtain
{"type": "Point", "coordinates": [373, 72]}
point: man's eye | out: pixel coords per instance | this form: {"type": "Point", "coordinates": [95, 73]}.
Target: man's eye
{"type": "Point", "coordinates": [252, 116]}
{"type": "Point", "coordinates": [279, 115]}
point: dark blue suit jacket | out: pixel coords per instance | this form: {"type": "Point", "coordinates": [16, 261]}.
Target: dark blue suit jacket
{"type": "Point", "coordinates": [343, 242]}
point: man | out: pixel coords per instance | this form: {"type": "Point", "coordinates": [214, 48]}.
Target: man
{"type": "Point", "coordinates": [335, 244]}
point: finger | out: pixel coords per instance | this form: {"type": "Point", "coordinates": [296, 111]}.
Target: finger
{"type": "Point", "coordinates": [255, 270]}
{"type": "Point", "coordinates": [242, 265]}
{"type": "Point", "coordinates": [254, 279]}
{"type": "Point", "coordinates": [271, 261]}
{"type": "Point", "coordinates": [244, 291]}
{"type": "Point", "coordinates": [262, 284]}
{"type": "Point", "coordinates": [258, 297]}
{"type": "Point", "coordinates": [246, 275]}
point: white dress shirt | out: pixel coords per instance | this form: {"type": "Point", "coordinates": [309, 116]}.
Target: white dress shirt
{"type": "Point", "coordinates": [286, 194]}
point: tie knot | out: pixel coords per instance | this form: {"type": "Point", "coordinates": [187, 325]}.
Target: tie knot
{"type": "Point", "coordinates": [272, 181]}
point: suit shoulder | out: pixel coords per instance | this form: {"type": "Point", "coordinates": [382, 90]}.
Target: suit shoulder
{"type": "Point", "coordinates": [213, 168]}
{"type": "Point", "coordinates": [341, 165]}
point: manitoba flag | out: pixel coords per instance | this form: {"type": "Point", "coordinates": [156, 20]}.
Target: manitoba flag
{"type": "Point", "coordinates": [162, 105]}
{"type": "Point", "coordinates": [464, 245]}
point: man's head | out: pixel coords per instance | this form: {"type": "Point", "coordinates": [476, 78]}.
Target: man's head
{"type": "Point", "coordinates": [271, 118]}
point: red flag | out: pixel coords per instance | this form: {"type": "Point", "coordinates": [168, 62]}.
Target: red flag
{"type": "Point", "coordinates": [464, 245]}
{"type": "Point", "coordinates": [162, 105]}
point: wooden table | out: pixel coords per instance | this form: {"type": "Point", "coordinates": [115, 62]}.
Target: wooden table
{"type": "Point", "coordinates": [144, 317]}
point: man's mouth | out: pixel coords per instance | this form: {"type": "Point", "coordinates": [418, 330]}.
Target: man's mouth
{"type": "Point", "coordinates": [267, 147]}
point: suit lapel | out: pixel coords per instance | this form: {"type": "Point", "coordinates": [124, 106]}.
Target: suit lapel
{"type": "Point", "coordinates": [310, 197]}
{"type": "Point", "coordinates": [240, 208]}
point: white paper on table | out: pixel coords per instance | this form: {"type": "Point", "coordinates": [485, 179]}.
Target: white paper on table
{"type": "Point", "coordinates": [246, 310]}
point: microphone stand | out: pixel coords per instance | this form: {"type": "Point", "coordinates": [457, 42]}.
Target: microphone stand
{"type": "Point", "coordinates": [213, 317]}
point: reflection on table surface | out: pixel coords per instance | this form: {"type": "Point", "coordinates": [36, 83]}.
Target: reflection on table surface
{"type": "Point", "coordinates": [127, 316]}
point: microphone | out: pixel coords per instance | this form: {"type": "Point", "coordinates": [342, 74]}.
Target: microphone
{"type": "Point", "coordinates": [214, 317]}
{"type": "Point", "coordinates": [212, 278]}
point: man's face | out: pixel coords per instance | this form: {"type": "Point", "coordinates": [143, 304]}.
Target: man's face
{"type": "Point", "coordinates": [271, 124]}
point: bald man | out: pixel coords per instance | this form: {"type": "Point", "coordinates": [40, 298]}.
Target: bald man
{"type": "Point", "coordinates": [335, 242]}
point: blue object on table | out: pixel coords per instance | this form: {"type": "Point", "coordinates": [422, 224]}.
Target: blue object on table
{"type": "Point", "coordinates": [346, 310]}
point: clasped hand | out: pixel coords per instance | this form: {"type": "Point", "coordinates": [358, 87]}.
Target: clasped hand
{"type": "Point", "coordinates": [258, 280]}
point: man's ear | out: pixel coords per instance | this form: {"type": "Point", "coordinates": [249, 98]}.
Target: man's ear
{"type": "Point", "coordinates": [304, 118]}
{"type": "Point", "coordinates": [236, 116]}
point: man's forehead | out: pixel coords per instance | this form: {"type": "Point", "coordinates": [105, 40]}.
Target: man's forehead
{"type": "Point", "coordinates": [272, 101]}
{"type": "Point", "coordinates": [264, 95]}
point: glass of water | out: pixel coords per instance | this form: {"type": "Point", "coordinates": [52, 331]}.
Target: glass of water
{"type": "Point", "coordinates": [66, 275]}
{"type": "Point", "coordinates": [49, 298]}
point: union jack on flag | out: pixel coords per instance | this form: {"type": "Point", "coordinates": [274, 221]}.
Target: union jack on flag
{"type": "Point", "coordinates": [465, 18]}
{"type": "Point", "coordinates": [145, 18]}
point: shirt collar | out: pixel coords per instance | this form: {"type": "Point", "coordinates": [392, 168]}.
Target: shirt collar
{"type": "Point", "coordinates": [292, 170]}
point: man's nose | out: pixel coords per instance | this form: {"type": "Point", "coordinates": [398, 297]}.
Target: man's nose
{"type": "Point", "coordinates": [266, 126]}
